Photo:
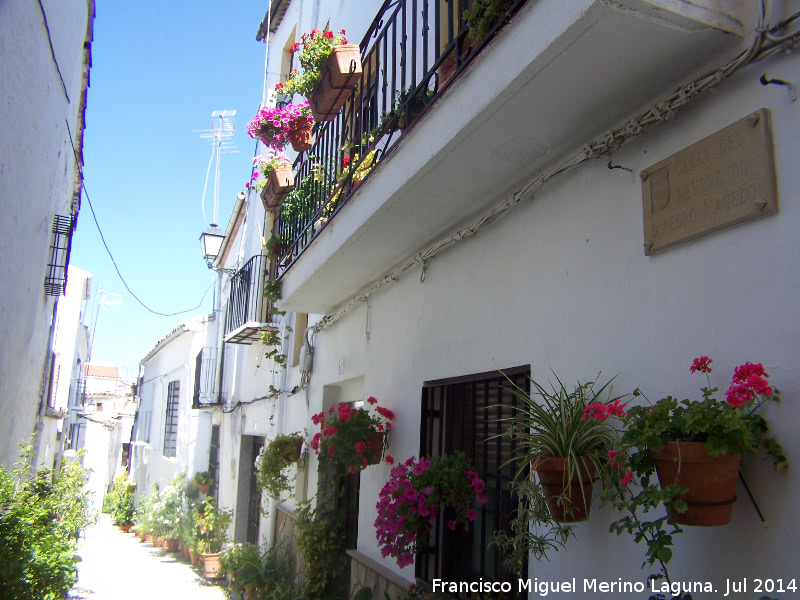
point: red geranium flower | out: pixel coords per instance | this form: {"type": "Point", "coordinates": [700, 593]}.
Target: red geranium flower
{"type": "Point", "coordinates": [701, 364]}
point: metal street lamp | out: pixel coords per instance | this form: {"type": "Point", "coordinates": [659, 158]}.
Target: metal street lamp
{"type": "Point", "coordinates": [210, 243]}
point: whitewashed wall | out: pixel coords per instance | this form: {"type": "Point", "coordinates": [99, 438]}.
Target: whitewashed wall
{"type": "Point", "coordinates": [37, 180]}
{"type": "Point", "coordinates": [174, 361]}
{"type": "Point", "coordinates": [562, 283]}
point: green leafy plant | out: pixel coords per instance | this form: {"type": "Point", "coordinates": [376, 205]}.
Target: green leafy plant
{"type": "Point", "coordinates": [41, 516]}
{"type": "Point", "coordinates": [556, 423]}
{"type": "Point", "coordinates": [210, 526]}
{"type": "Point", "coordinates": [313, 51]}
{"type": "Point", "coordinates": [564, 424]}
{"type": "Point", "coordinates": [144, 513]}
{"type": "Point", "coordinates": [166, 510]}
{"type": "Point", "coordinates": [203, 478]}
{"type": "Point", "coordinates": [273, 462]}
{"type": "Point", "coordinates": [321, 540]}
{"type": "Point", "coordinates": [729, 426]}
{"type": "Point", "coordinates": [267, 575]}
{"type": "Point", "coordinates": [120, 498]}
{"type": "Point", "coordinates": [264, 165]}
{"type": "Point", "coordinates": [482, 16]}
{"type": "Point", "coordinates": [408, 104]}
{"type": "Point", "coordinates": [348, 436]}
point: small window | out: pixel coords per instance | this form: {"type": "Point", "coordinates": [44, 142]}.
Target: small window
{"type": "Point", "coordinates": [171, 419]}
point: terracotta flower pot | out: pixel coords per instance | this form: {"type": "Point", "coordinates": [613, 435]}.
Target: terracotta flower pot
{"type": "Point", "coordinates": [300, 135]}
{"type": "Point", "coordinates": [339, 76]}
{"type": "Point", "coordinates": [204, 488]}
{"type": "Point", "coordinates": [374, 451]}
{"type": "Point", "coordinates": [711, 482]}
{"type": "Point", "coordinates": [170, 544]}
{"type": "Point", "coordinates": [281, 182]}
{"type": "Point", "coordinates": [553, 479]}
{"type": "Point", "coordinates": [194, 558]}
{"type": "Point", "coordinates": [294, 454]}
{"type": "Point", "coordinates": [211, 565]}
{"type": "Point", "coordinates": [126, 527]}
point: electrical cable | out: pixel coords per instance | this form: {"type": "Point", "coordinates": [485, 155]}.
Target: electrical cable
{"type": "Point", "coordinates": [52, 50]}
{"type": "Point", "coordinates": [108, 250]}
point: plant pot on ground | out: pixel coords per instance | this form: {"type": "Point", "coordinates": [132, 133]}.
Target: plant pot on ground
{"type": "Point", "coordinates": [203, 479]}
{"type": "Point", "coordinates": [210, 533]}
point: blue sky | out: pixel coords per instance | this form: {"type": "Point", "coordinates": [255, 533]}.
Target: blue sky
{"type": "Point", "coordinates": [159, 69]}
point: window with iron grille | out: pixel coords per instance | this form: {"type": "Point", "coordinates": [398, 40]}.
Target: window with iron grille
{"type": "Point", "coordinates": [55, 282]}
{"type": "Point", "coordinates": [171, 419]}
{"type": "Point", "coordinates": [213, 461]}
{"type": "Point", "coordinates": [461, 414]}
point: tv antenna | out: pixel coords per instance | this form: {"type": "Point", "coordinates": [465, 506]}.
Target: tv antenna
{"type": "Point", "coordinates": [221, 136]}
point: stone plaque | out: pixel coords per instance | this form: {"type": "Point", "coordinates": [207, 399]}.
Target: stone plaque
{"type": "Point", "coordinates": [723, 180]}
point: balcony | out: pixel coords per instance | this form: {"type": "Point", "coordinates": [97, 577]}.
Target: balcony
{"type": "Point", "coordinates": [248, 314]}
{"type": "Point", "coordinates": [438, 149]}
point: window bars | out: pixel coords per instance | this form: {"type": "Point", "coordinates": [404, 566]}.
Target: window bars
{"type": "Point", "coordinates": [55, 283]}
{"type": "Point", "coordinates": [171, 419]}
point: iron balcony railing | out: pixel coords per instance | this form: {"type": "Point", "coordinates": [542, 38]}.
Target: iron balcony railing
{"type": "Point", "coordinates": [248, 312]}
{"type": "Point", "coordinates": [412, 51]}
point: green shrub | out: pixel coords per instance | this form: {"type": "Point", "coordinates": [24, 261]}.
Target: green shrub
{"type": "Point", "coordinates": [120, 500]}
{"type": "Point", "coordinates": [41, 516]}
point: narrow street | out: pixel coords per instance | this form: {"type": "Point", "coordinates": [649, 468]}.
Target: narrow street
{"type": "Point", "coordinates": [117, 566]}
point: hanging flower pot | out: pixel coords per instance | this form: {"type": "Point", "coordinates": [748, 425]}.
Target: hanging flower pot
{"type": "Point", "coordinates": [567, 501]}
{"type": "Point", "coordinates": [339, 77]}
{"type": "Point", "coordinates": [374, 451]}
{"type": "Point", "coordinates": [710, 480]}
{"type": "Point", "coordinates": [300, 134]}
{"type": "Point", "coordinates": [280, 183]}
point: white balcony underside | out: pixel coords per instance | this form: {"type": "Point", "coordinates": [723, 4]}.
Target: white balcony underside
{"type": "Point", "coordinates": [561, 74]}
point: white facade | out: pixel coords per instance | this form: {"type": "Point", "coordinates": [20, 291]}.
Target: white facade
{"type": "Point", "coordinates": [560, 281]}
{"type": "Point", "coordinates": [42, 94]}
{"type": "Point", "coordinates": [103, 426]}
{"type": "Point", "coordinates": [159, 455]}
{"type": "Point", "coordinates": [71, 352]}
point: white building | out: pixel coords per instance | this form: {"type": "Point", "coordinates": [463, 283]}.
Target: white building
{"type": "Point", "coordinates": [494, 232]}
{"type": "Point", "coordinates": [104, 426]}
{"type": "Point", "coordinates": [46, 54]}
{"type": "Point", "coordinates": [173, 432]}
{"type": "Point", "coordinates": [64, 425]}
{"type": "Point", "coordinates": [546, 209]}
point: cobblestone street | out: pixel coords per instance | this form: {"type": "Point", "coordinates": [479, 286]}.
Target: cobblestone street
{"type": "Point", "coordinates": [117, 566]}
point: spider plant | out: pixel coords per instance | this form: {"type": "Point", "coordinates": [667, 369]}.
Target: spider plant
{"type": "Point", "coordinates": [563, 423]}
